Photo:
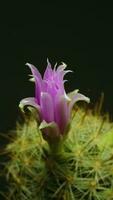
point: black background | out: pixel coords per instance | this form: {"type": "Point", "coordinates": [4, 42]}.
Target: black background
{"type": "Point", "coordinates": [75, 32]}
{"type": "Point", "coordinates": [80, 35]}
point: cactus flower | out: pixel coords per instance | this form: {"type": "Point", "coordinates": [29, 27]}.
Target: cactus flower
{"type": "Point", "coordinates": [54, 106]}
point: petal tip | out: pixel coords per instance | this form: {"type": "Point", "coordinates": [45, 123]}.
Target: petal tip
{"type": "Point", "coordinates": [88, 100]}
{"type": "Point", "coordinates": [28, 64]}
{"type": "Point", "coordinates": [48, 61]}
{"type": "Point", "coordinates": [21, 106]}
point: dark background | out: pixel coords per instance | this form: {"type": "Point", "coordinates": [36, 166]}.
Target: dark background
{"type": "Point", "coordinates": [78, 33]}
{"type": "Point", "coordinates": [81, 35]}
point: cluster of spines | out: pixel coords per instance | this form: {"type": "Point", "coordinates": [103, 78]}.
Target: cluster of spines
{"type": "Point", "coordinates": [83, 170]}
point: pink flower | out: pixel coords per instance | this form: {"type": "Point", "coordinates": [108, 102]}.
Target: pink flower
{"type": "Point", "coordinates": [51, 101]}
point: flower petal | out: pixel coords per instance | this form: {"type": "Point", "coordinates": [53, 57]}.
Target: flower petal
{"type": "Point", "coordinates": [61, 112]}
{"type": "Point", "coordinates": [34, 71]}
{"type": "Point", "coordinates": [38, 81]}
{"type": "Point", "coordinates": [77, 97]}
{"type": "Point", "coordinates": [30, 101]}
{"type": "Point", "coordinates": [48, 72]}
{"type": "Point", "coordinates": [49, 130]}
{"type": "Point", "coordinates": [61, 67]}
{"type": "Point", "coordinates": [46, 105]}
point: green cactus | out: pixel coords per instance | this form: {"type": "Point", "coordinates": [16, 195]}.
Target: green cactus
{"type": "Point", "coordinates": [81, 169]}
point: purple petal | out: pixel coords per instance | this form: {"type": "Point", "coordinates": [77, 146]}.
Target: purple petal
{"type": "Point", "coordinates": [38, 81]}
{"type": "Point", "coordinates": [59, 75]}
{"type": "Point", "coordinates": [55, 66]}
{"type": "Point", "coordinates": [34, 71]}
{"type": "Point", "coordinates": [38, 89]}
{"type": "Point", "coordinates": [46, 105]}
{"type": "Point", "coordinates": [48, 72]}
{"type": "Point", "coordinates": [77, 97]}
{"type": "Point", "coordinates": [61, 112]}
{"type": "Point", "coordinates": [61, 70]}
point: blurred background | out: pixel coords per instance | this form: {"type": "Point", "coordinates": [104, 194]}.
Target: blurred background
{"type": "Point", "coordinates": [81, 35]}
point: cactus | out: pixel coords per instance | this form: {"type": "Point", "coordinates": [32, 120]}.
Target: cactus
{"type": "Point", "coordinates": [81, 169]}
{"type": "Point", "coordinates": [60, 150]}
